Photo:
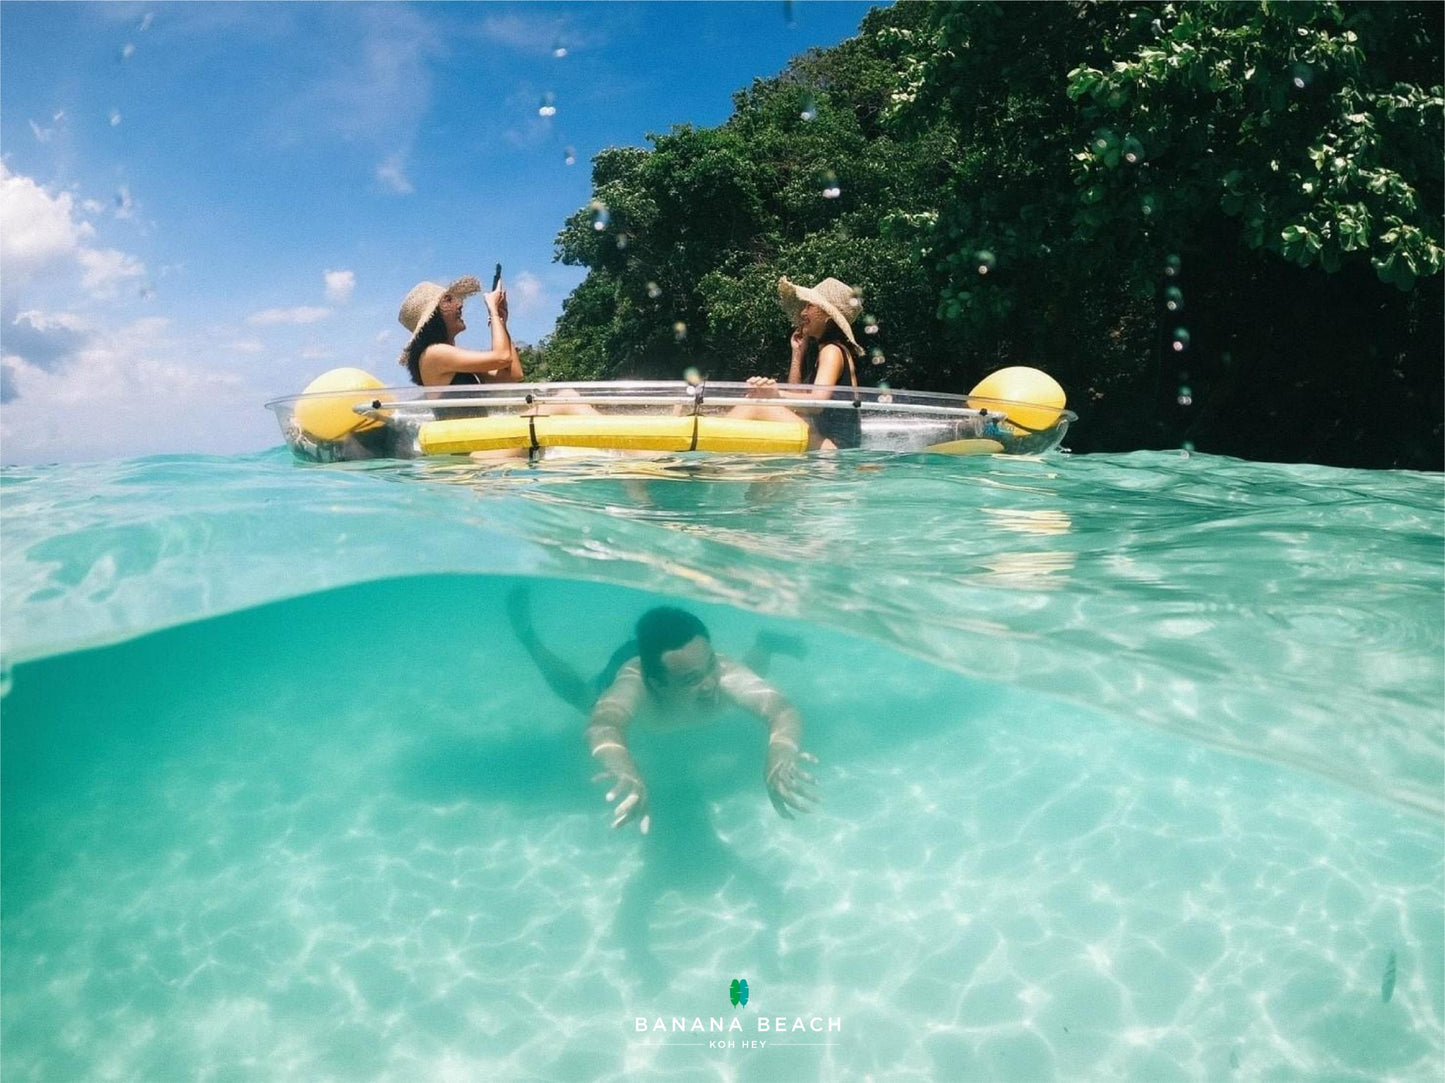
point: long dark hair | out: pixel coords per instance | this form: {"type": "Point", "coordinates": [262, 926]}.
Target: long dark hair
{"type": "Point", "coordinates": [661, 630]}
{"type": "Point", "coordinates": [832, 336]}
{"type": "Point", "coordinates": [429, 334]}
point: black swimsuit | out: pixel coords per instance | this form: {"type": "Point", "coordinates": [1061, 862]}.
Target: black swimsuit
{"type": "Point", "coordinates": [842, 426]}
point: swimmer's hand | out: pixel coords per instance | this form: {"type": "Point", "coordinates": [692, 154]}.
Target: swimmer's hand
{"type": "Point", "coordinates": [629, 793]}
{"type": "Point", "coordinates": [790, 788]}
{"type": "Point", "coordinates": [762, 387]}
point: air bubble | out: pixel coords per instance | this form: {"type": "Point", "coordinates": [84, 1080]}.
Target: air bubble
{"type": "Point", "coordinates": [1174, 299]}
{"type": "Point", "coordinates": [1172, 266]}
{"type": "Point", "coordinates": [622, 240]}
{"type": "Point", "coordinates": [569, 157]}
{"type": "Point", "coordinates": [810, 108]}
{"type": "Point", "coordinates": [985, 260]}
{"type": "Point", "coordinates": [559, 50]}
{"type": "Point", "coordinates": [691, 374]}
{"type": "Point", "coordinates": [876, 357]}
{"type": "Point", "coordinates": [831, 190]}
{"type": "Point", "coordinates": [1133, 150]}
{"type": "Point", "coordinates": [600, 217]}
{"type": "Point", "coordinates": [1181, 340]}
{"type": "Point", "coordinates": [1185, 396]}
{"type": "Point", "coordinates": [679, 330]}
{"type": "Point", "coordinates": [870, 325]}
{"type": "Point", "coordinates": [654, 290]}
{"type": "Point", "coordinates": [548, 108]}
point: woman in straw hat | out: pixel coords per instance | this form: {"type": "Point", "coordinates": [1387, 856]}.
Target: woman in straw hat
{"type": "Point", "coordinates": [822, 315]}
{"type": "Point", "coordinates": [433, 315]}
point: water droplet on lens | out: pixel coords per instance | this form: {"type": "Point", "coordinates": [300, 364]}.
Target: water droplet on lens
{"type": "Point", "coordinates": [569, 156]}
{"type": "Point", "coordinates": [7, 677]}
{"type": "Point", "coordinates": [831, 190]}
{"type": "Point", "coordinates": [654, 290]}
{"type": "Point", "coordinates": [548, 108]}
{"type": "Point", "coordinates": [691, 375]}
{"type": "Point", "coordinates": [679, 330]}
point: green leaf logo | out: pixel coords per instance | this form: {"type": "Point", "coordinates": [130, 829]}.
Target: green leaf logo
{"type": "Point", "coordinates": [738, 992]}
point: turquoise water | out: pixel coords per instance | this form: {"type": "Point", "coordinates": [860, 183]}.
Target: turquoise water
{"type": "Point", "coordinates": [1132, 768]}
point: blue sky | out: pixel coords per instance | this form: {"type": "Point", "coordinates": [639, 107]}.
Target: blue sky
{"type": "Point", "coordinates": [204, 205]}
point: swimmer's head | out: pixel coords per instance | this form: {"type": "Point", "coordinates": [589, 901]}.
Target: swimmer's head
{"type": "Point", "coordinates": [676, 655]}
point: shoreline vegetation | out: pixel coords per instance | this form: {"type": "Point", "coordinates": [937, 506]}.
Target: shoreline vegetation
{"type": "Point", "coordinates": [1218, 225]}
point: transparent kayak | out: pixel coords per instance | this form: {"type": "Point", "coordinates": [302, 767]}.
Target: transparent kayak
{"type": "Point", "coordinates": [657, 416]}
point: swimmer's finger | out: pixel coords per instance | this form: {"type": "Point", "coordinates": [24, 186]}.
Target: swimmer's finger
{"type": "Point", "coordinates": [628, 804]}
{"type": "Point", "coordinates": [602, 776]}
{"type": "Point", "coordinates": [645, 824]}
{"type": "Point", "coordinates": [808, 756]}
{"type": "Point", "coordinates": [800, 802]}
{"type": "Point", "coordinates": [804, 793]}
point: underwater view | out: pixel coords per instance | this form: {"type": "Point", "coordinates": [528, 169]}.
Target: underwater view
{"type": "Point", "coordinates": [1129, 766]}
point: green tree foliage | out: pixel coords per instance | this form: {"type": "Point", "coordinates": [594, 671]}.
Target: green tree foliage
{"type": "Point", "coordinates": [1189, 214]}
{"type": "Point", "coordinates": [1215, 223]}
{"type": "Point", "coordinates": [685, 242]}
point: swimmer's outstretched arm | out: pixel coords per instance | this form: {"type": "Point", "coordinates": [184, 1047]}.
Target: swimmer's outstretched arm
{"type": "Point", "coordinates": [790, 787]}
{"type": "Point", "coordinates": [607, 741]}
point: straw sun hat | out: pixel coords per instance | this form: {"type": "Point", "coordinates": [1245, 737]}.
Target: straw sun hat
{"type": "Point", "coordinates": [423, 299]}
{"type": "Point", "coordinates": [839, 300]}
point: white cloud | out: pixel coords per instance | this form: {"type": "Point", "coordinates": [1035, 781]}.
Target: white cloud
{"type": "Point", "coordinates": [526, 293]}
{"type": "Point", "coordinates": [392, 176]}
{"type": "Point", "coordinates": [103, 402]}
{"type": "Point", "coordinates": [248, 345]}
{"type": "Point", "coordinates": [339, 286]}
{"type": "Point", "coordinates": [300, 314]}
{"type": "Point", "coordinates": [40, 230]}
{"type": "Point", "coordinates": [49, 321]}
{"type": "Point", "coordinates": [104, 271]}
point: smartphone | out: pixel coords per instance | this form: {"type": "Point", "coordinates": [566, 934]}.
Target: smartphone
{"type": "Point", "coordinates": [497, 277]}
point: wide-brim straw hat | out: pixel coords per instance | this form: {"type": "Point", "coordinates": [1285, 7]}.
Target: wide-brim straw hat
{"type": "Point", "coordinates": [423, 299]}
{"type": "Point", "coordinates": [840, 301]}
